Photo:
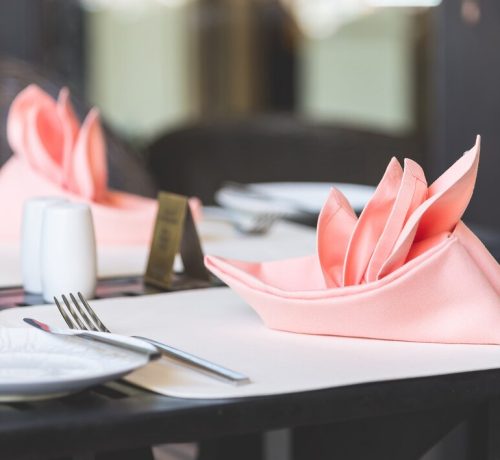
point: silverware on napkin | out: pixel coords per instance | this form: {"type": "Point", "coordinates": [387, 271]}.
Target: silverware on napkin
{"type": "Point", "coordinates": [81, 317]}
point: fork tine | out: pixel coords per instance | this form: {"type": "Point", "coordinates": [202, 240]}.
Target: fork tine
{"type": "Point", "coordinates": [73, 314]}
{"type": "Point", "coordinates": [83, 313]}
{"type": "Point", "coordinates": [92, 313]}
{"type": "Point", "coordinates": [65, 316]}
{"type": "Point", "coordinates": [264, 222]}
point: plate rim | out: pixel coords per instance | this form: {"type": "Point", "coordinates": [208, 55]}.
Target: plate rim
{"type": "Point", "coordinates": [304, 207]}
{"type": "Point", "coordinates": [52, 387]}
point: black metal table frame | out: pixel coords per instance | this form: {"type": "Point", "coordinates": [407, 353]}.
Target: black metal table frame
{"type": "Point", "coordinates": [394, 419]}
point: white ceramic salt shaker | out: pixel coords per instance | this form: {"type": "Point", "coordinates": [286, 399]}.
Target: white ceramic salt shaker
{"type": "Point", "coordinates": [31, 231]}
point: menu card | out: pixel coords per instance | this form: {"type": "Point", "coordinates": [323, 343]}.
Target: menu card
{"type": "Point", "coordinates": [175, 233]}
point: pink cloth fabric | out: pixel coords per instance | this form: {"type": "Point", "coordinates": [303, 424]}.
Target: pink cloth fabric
{"type": "Point", "coordinates": [407, 269]}
{"type": "Point", "coordinates": [54, 155]}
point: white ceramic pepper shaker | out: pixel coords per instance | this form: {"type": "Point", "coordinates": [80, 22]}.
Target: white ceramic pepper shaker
{"type": "Point", "coordinates": [68, 251]}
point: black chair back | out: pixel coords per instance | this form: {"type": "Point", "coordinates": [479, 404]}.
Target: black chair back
{"type": "Point", "coordinates": [197, 159]}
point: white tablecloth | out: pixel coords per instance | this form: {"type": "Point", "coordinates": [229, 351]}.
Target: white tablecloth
{"type": "Point", "coordinates": [217, 325]}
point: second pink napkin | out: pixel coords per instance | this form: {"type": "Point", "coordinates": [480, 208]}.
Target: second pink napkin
{"type": "Point", "coordinates": [55, 155]}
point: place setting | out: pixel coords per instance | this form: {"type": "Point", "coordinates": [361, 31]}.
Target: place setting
{"type": "Point", "coordinates": [67, 219]}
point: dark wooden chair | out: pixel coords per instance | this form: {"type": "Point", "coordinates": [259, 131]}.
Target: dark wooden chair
{"type": "Point", "coordinates": [197, 159]}
{"type": "Point", "coordinates": [127, 171]}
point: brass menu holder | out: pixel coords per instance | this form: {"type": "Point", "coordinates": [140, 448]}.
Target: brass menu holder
{"type": "Point", "coordinates": [175, 233]}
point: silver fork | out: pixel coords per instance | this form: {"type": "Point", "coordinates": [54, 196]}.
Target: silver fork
{"type": "Point", "coordinates": [257, 224]}
{"type": "Point", "coordinates": [83, 317]}
{"type": "Point", "coordinates": [247, 223]}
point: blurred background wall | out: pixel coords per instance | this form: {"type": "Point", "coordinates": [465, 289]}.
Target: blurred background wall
{"type": "Point", "coordinates": [423, 73]}
{"type": "Point", "coordinates": [153, 64]}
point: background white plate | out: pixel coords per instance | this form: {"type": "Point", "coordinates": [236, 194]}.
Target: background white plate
{"type": "Point", "coordinates": [37, 365]}
{"type": "Point", "coordinates": [291, 198]}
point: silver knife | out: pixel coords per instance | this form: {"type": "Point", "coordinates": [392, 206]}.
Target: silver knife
{"type": "Point", "coordinates": [125, 343]}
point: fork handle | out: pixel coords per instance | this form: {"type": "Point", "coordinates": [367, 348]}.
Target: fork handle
{"type": "Point", "coordinates": [200, 364]}
{"type": "Point", "coordinates": [120, 342]}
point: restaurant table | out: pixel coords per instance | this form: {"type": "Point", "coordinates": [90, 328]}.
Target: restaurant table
{"type": "Point", "coordinates": [399, 419]}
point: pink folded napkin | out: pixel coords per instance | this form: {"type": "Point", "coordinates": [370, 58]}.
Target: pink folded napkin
{"type": "Point", "coordinates": [407, 269]}
{"type": "Point", "coordinates": [55, 155]}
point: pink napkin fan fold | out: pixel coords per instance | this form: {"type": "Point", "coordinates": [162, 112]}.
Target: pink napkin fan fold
{"type": "Point", "coordinates": [336, 223]}
{"type": "Point", "coordinates": [436, 217]}
{"type": "Point", "coordinates": [419, 274]}
{"type": "Point", "coordinates": [70, 127]}
{"type": "Point", "coordinates": [55, 155]}
{"type": "Point", "coordinates": [34, 129]}
{"type": "Point", "coordinates": [412, 192]}
{"type": "Point", "coordinates": [370, 225]}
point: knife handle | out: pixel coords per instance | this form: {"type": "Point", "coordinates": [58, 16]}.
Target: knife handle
{"type": "Point", "coordinates": [199, 364]}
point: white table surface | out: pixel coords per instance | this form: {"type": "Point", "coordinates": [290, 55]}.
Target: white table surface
{"type": "Point", "coordinates": [216, 324]}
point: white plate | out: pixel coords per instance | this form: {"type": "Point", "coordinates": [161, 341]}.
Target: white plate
{"type": "Point", "coordinates": [37, 365]}
{"type": "Point", "coordinates": [291, 198]}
